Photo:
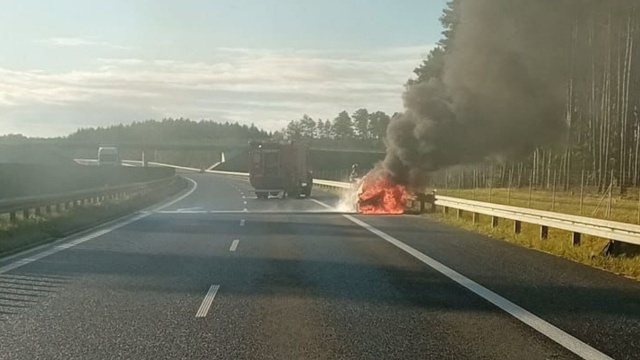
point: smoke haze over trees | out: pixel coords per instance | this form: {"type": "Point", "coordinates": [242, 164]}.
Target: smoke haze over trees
{"type": "Point", "coordinates": [559, 79]}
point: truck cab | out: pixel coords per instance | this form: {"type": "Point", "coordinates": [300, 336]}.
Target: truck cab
{"type": "Point", "coordinates": [108, 155]}
{"type": "Point", "coordinates": [279, 168]}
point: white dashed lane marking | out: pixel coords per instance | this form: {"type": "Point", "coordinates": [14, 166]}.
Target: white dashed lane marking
{"type": "Point", "coordinates": [234, 245]}
{"type": "Point", "coordinates": [208, 300]}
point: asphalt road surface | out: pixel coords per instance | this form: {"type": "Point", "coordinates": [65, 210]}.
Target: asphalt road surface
{"type": "Point", "coordinates": [219, 274]}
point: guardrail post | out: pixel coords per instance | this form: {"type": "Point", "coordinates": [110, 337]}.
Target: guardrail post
{"type": "Point", "coordinates": [517, 227]}
{"type": "Point", "coordinates": [575, 237]}
{"type": "Point", "coordinates": [25, 214]}
{"type": "Point", "coordinates": [474, 217]}
{"type": "Point", "coordinates": [612, 247]}
{"type": "Point", "coordinates": [544, 232]}
{"type": "Point", "coordinates": [494, 222]}
{"type": "Point", "coordinates": [38, 211]}
{"type": "Point", "coordinates": [459, 213]}
{"type": "Point", "coordinates": [13, 217]}
{"type": "Point", "coordinates": [445, 210]}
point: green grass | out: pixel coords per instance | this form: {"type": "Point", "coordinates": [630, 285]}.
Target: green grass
{"type": "Point", "coordinates": [35, 231]}
{"type": "Point", "coordinates": [589, 252]}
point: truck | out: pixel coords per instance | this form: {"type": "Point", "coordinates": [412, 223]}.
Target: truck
{"type": "Point", "coordinates": [279, 169]}
{"type": "Point", "coordinates": [108, 155]}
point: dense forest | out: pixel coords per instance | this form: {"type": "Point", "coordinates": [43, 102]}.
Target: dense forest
{"type": "Point", "coordinates": [172, 131]}
{"type": "Point", "coordinates": [601, 142]}
{"type": "Point", "coordinates": [362, 129]}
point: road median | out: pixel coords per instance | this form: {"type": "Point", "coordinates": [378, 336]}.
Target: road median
{"type": "Point", "coordinates": [32, 231]}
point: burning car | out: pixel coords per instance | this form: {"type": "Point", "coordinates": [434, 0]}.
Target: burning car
{"type": "Point", "coordinates": [379, 194]}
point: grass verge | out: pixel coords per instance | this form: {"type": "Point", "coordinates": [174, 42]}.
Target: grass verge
{"type": "Point", "coordinates": [36, 231]}
{"type": "Point", "coordinates": [626, 262]}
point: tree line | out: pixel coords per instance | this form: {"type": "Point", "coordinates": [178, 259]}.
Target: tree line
{"type": "Point", "coordinates": [362, 128]}
{"type": "Point", "coordinates": [174, 131]}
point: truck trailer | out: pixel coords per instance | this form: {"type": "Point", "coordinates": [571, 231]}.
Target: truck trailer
{"type": "Point", "coordinates": [279, 169]}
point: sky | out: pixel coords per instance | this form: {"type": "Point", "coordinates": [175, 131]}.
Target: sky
{"type": "Point", "coordinates": [70, 64]}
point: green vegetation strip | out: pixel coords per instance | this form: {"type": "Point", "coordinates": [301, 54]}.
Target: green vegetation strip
{"type": "Point", "coordinates": [625, 262]}
{"type": "Point", "coordinates": [40, 230]}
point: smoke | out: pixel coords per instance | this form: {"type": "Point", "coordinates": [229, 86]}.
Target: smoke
{"type": "Point", "coordinates": [502, 91]}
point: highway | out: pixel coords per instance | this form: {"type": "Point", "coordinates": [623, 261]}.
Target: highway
{"type": "Point", "coordinates": [219, 274]}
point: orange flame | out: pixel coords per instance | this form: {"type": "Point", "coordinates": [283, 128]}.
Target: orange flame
{"type": "Point", "coordinates": [380, 195]}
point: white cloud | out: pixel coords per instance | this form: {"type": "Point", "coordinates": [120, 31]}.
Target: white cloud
{"type": "Point", "coordinates": [79, 42]}
{"type": "Point", "coordinates": [266, 87]}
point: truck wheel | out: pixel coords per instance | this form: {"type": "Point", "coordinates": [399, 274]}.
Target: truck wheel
{"type": "Point", "coordinates": [262, 194]}
{"type": "Point", "coordinates": [307, 192]}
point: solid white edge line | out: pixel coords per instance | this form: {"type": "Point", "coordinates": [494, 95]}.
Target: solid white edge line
{"type": "Point", "coordinates": [184, 196]}
{"type": "Point", "coordinates": [207, 301]}
{"type": "Point", "coordinates": [554, 333]}
{"type": "Point", "coordinates": [234, 245]}
{"type": "Point", "coordinates": [182, 212]}
{"type": "Point", "coordinates": [323, 204]}
{"type": "Point", "coordinates": [19, 263]}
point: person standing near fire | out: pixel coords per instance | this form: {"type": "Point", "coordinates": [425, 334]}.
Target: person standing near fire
{"type": "Point", "coordinates": [355, 173]}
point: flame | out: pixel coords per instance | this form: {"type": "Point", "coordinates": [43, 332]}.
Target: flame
{"type": "Point", "coordinates": [378, 194]}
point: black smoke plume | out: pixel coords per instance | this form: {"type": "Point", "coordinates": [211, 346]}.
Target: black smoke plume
{"type": "Point", "coordinates": [502, 91]}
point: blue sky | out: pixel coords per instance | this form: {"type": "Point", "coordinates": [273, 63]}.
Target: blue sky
{"type": "Point", "coordinates": [68, 64]}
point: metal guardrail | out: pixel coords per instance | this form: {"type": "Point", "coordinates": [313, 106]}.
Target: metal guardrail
{"type": "Point", "coordinates": [576, 225]}
{"type": "Point", "coordinates": [40, 205]}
